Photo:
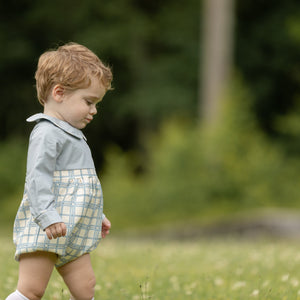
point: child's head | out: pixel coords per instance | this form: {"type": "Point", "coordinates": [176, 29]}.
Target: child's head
{"type": "Point", "coordinates": [71, 66]}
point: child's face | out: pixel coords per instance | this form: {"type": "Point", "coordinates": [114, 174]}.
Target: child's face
{"type": "Point", "coordinates": [79, 107]}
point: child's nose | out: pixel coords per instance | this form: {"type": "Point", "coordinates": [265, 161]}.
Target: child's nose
{"type": "Point", "coordinates": [93, 110]}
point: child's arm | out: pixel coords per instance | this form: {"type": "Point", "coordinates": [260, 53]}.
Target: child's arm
{"type": "Point", "coordinates": [106, 225]}
{"type": "Point", "coordinates": [42, 153]}
{"type": "Point", "coordinates": [56, 230]}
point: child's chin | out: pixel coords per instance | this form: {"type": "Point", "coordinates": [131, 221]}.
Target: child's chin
{"type": "Point", "coordinates": [80, 125]}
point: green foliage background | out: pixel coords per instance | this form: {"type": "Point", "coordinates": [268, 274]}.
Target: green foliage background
{"type": "Point", "coordinates": [191, 175]}
{"type": "Point", "coordinates": [158, 163]}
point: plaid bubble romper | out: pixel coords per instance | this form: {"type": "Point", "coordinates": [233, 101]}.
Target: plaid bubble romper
{"type": "Point", "coordinates": [61, 186]}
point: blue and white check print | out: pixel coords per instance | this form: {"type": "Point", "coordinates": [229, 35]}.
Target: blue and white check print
{"type": "Point", "coordinates": [79, 201]}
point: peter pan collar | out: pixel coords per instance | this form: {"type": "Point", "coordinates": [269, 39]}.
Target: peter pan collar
{"type": "Point", "coordinates": [59, 123]}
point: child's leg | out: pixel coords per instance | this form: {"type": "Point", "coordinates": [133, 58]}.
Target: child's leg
{"type": "Point", "coordinates": [34, 273]}
{"type": "Point", "coordinates": [79, 277]}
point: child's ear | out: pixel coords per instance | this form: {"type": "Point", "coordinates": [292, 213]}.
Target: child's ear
{"type": "Point", "coordinates": [58, 93]}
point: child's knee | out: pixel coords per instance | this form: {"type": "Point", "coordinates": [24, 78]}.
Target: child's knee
{"type": "Point", "coordinates": [85, 290]}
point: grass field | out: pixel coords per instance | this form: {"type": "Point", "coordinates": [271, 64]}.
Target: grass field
{"type": "Point", "coordinates": [204, 269]}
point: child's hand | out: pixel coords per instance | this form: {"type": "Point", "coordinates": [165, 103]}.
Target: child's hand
{"type": "Point", "coordinates": [106, 225]}
{"type": "Point", "coordinates": [56, 230]}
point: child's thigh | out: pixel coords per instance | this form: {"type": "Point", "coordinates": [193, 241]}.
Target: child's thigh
{"type": "Point", "coordinates": [35, 270]}
{"type": "Point", "coordinates": [79, 277]}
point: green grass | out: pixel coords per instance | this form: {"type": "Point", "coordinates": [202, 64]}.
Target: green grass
{"type": "Point", "coordinates": [204, 269]}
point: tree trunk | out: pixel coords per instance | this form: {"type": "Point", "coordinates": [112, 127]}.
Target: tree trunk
{"type": "Point", "coordinates": [216, 44]}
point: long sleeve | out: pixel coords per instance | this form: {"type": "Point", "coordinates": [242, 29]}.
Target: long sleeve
{"type": "Point", "coordinates": [42, 155]}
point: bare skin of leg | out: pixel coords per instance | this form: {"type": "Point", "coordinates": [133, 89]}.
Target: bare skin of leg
{"type": "Point", "coordinates": [79, 277]}
{"type": "Point", "coordinates": [35, 270]}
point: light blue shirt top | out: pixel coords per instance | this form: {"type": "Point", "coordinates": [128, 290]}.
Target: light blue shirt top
{"type": "Point", "coordinates": [54, 145]}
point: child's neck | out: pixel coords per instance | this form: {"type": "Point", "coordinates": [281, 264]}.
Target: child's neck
{"type": "Point", "coordinates": [52, 113]}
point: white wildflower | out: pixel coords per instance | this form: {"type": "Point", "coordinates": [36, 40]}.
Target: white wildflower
{"type": "Point", "coordinates": [56, 295]}
{"type": "Point", "coordinates": [255, 293]}
{"type": "Point", "coordinates": [294, 282]}
{"type": "Point", "coordinates": [238, 285]}
{"type": "Point", "coordinates": [285, 277]}
{"type": "Point", "coordinates": [190, 287]}
{"type": "Point", "coordinates": [219, 281]}
{"type": "Point", "coordinates": [56, 284]}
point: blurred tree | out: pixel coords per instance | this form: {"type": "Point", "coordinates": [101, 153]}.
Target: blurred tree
{"type": "Point", "coordinates": [217, 43]}
{"type": "Point", "coordinates": [153, 47]}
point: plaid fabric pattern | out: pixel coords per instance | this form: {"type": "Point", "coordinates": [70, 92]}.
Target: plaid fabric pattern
{"type": "Point", "coordinates": [79, 201]}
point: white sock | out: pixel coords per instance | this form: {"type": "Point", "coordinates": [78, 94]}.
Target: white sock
{"type": "Point", "coordinates": [16, 296]}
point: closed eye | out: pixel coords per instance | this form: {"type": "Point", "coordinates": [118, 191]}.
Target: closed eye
{"type": "Point", "coordinates": [89, 102]}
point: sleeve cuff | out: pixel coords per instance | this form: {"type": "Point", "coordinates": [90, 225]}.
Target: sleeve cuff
{"type": "Point", "coordinates": [48, 218]}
